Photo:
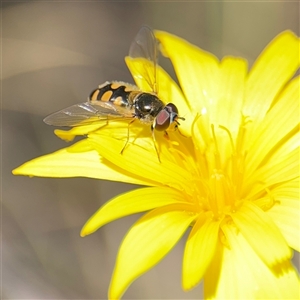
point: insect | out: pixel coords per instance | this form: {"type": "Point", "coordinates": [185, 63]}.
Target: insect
{"type": "Point", "coordinates": [120, 100]}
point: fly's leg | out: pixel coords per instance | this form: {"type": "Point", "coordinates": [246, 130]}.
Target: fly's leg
{"type": "Point", "coordinates": [127, 135]}
{"type": "Point", "coordinates": [154, 142]}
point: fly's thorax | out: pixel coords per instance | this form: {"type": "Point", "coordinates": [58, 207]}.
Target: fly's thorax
{"type": "Point", "coordinates": [118, 92]}
{"type": "Point", "coordinates": [147, 106]}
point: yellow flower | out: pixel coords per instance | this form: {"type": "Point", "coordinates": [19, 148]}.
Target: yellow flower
{"type": "Point", "coordinates": [233, 178]}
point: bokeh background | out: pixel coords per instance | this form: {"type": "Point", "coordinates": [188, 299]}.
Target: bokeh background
{"type": "Point", "coordinates": [53, 55]}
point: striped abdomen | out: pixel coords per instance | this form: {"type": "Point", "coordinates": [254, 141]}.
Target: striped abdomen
{"type": "Point", "coordinates": [118, 92]}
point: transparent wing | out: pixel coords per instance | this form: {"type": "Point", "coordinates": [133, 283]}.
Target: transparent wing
{"type": "Point", "coordinates": [144, 48]}
{"type": "Point", "coordinates": [88, 113]}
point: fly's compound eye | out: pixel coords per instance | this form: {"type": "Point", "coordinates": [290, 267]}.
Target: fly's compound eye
{"type": "Point", "coordinates": [166, 117]}
{"type": "Point", "coordinates": [147, 104]}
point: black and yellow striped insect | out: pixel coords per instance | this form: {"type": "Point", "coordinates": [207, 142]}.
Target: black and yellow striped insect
{"type": "Point", "coordinates": [120, 100]}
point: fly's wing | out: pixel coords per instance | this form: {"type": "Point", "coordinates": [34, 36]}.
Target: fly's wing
{"type": "Point", "coordinates": [143, 54]}
{"type": "Point", "coordinates": [88, 113]}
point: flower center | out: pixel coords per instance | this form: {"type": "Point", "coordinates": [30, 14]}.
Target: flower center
{"type": "Point", "coordinates": [221, 195]}
{"type": "Point", "coordinates": [220, 168]}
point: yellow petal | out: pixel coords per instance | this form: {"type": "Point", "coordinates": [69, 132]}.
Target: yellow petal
{"type": "Point", "coordinates": [226, 109]}
{"type": "Point", "coordinates": [131, 203]}
{"type": "Point", "coordinates": [199, 251]}
{"type": "Point", "coordinates": [286, 212]}
{"type": "Point", "coordinates": [143, 73]}
{"type": "Point", "coordinates": [284, 168]}
{"type": "Point", "coordinates": [201, 132]}
{"type": "Point", "coordinates": [291, 142]}
{"type": "Point", "coordinates": [238, 273]}
{"type": "Point", "coordinates": [69, 135]}
{"type": "Point", "coordinates": [271, 134]}
{"type": "Point", "coordinates": [275, 66]}
{"type": "Point", "coordinates": [197, 70]}
{"type": "Point", "coordinates": [262, 234]}
{"type": "Point", "coordinates": [142, 162]}
{"type": "Point", "coordinates": [147, 242]}
{"type": "Point", "coordinates": [167, 89]}
{"type": "Point", "coordinates": [78, 160]}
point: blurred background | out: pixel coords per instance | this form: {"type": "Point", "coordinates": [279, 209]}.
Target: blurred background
{"type": "Point", "coordinates": [53, 55]}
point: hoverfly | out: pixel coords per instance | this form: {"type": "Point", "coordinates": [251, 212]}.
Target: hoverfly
{"type": "Point", "coordinates": [120, 100]}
